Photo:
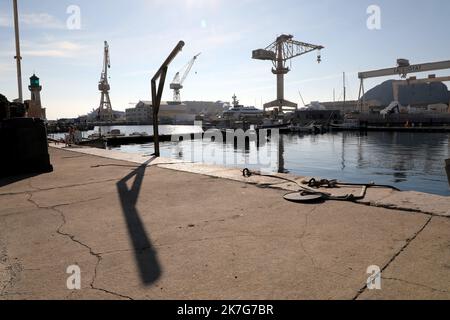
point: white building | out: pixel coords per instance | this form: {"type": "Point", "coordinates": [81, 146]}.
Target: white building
{"type": "Point", "coordinates": [140, 113]}
{"type": "Point", "coordinates": [169, 112]}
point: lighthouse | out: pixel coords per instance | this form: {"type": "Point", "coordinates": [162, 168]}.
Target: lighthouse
{"type": "Point", "coordinates": [35, 109]}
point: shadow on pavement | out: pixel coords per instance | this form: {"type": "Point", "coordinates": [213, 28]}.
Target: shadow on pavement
{"type": "Point", "coordinates": [4, 181]}
{"type": "Point", "coordinates": [145, 254]}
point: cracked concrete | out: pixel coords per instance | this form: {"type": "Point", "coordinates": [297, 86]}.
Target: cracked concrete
{"type": "Point", "coordinates": [427, 275]}
{"type": "Point", "coordinates": [408, 241]}
{"type": "Point", "coordinates": [164, 234]}
{"type": "Point", "coordinates": [73, 237]}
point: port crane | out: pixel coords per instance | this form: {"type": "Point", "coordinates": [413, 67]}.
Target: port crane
{"type": "Point", "coordinates": [177, 82]}
{"type": "Point", "coordinates": [105, 112]}
{"type": "Point", "coordinates": [280, 53]}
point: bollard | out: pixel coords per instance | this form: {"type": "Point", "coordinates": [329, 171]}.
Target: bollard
{"type": "Point", "coordinates": [447, 169]}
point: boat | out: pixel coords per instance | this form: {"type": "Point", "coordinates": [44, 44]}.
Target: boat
{"type": "Point", "coordinates": [115, 133]}
{"type": "Point", "coordinates": [139, 134]}
{"type": "Point", "coordinates": [272, 124]}
{"type": "Point", "coordinates": [310, 128]}
{"type": "Point", "coordinates": [238, 111]}
{"type": "Point", "coordinates": [94, 136]}
{"type": "Point", "coordinates": [347, 124]}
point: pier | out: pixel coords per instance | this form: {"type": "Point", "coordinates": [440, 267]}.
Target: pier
{"type": "Point", "coordinates": [146, 228]}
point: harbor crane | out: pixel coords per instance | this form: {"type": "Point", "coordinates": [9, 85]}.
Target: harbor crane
{"type": "Point", "coordinates": [177, 82]}
{"type": "Point", "coordinates": [280, 52]}
{"type": "Point", "coordinates": [105, 112]}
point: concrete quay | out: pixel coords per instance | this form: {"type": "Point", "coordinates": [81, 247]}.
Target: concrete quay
{"type": "Point", "coordinates": [142, 228]}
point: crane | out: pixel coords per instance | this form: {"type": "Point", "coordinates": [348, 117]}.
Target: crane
{"type": "Point", "coordinates": [177, 82]}
{"type": "Point", "coordinates": [105, 112]}
{"type": "Point", "coordinates": [280, 52]}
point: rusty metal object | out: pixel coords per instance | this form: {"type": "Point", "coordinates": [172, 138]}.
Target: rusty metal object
{"type": "Point", "coordinates": [303, 197]}
{"type": "Point", "coordinates": [157, 92]}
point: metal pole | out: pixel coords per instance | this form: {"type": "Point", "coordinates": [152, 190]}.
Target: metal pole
{"type": "Point", "coordinates": [359, 97]}
{"type": "Point", "coordinates": [447, 169]}
{"type": "Point", "coordinates": [343, 77]}
{"type": "Point", "coordinates": [18, 56]}
{"type": "Point", "coordinates": [363, 96]}
{"type": "Point", "coordinates": [156, 103]}
{"type": "Point", "coordinates": [156, 95]}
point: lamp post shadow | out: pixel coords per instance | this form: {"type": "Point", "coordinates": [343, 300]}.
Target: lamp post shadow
{"type": "Point", "coordinates": [145, 254]}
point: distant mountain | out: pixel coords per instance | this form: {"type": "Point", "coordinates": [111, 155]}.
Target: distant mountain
{"type": "Point", "coordinates": [415, 94]}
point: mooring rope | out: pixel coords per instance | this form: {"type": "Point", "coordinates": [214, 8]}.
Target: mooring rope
{"type": "Point", "coordinates": [313, 183]}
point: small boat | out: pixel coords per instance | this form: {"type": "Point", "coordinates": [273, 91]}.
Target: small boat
{"type": "Point", "coordinates": [310, 128]}
{"type": "Point", "coordinates": [94, 136]}
{"type": "Point", "coordinates": [115, 133]}
{"type": "Point", "coordinates": [348, 124]}
{"type": "Point", "coordinates": [272, 124]}
{"type": "Point", "coordinates": [139, 134]}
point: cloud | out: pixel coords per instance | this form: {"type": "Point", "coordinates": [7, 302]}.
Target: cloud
{"type": "Point", "coordinates": [44, 53]}
{"type": "Point", "coordinates": [6, 67]}
{"type": "Point", "coordinates": [5, 21]}
{"type": "Point", "coordinates": [136, 73]}
{"type": "Point", "coordinates": [322, 78]}
{"type": "Point", "coordinates": [35, 20]}
{"type": "Point", "coordinates": [61, 49]}
{"type": "Point", "coordinates": [52, 49]}
{"type": "Point", "coordinates": [187, 4]}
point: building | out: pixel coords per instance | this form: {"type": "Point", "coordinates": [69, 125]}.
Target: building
{"type": "Point", "coordinates": [34, 105]}
{"type": "Point", "coordinates": [424, 97]}
{"type": "Point", "coordinates": [168, 113]}
{"type": "Point", "coordinates": [93, 116]}
{"type": "Point", "coordinates": [206, 108]}
{"type": "Point", "coordinates": [141, 113]}
{"type": "Point", "coordinates": [341, 106]}
{"type": "Point", "coordinates": [305, 116]}
{"type": "Point", "coordinates": [418, 96]}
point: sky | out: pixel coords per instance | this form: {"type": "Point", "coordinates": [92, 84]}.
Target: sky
{"type": "Point", "coordinates": [141, 33]}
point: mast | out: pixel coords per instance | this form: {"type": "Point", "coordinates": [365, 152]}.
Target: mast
{"type": "Point", "coordinates": [345, 89]}
{"type": "Point", "coordinates": [18, 56]}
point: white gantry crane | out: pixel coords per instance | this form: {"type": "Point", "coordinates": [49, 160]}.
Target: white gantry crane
{"type": "Point", "coordinates": [105, 112]}
{"type": "Point", "coordinates": [280, 52]}
{"type": "Point", "coordinates": [177, 82]}
{"type": "Point", "coordinates": [402, 69]}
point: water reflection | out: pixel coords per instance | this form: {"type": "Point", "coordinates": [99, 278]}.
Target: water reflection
{"type": "Point", "coordinates": [281, 168]}
{"type": "Point", "coordinates": [410, 161]}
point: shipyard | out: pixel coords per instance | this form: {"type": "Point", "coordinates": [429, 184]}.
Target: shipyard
{"type": "Point", "coordinates": [222, 162]}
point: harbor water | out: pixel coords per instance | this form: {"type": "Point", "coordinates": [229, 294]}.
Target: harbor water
{"type": "Point", "coordinates": [409, 161]}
